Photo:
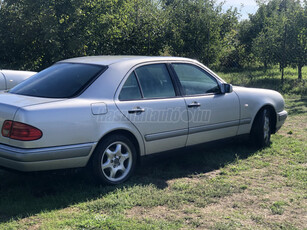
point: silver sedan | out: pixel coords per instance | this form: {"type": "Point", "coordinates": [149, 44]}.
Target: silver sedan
{"type": "Point", "coordinates": [108, 111]}
{"type": "Point", "coordinates": [11, 78]}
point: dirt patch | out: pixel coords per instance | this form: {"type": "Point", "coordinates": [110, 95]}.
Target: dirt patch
{"type": "Point", "coordinates": [249, 211]}
{"type": "Point", "coordinates": [253, 208]}
{"type": "Point", "coordinates": [32, 223]}
{"type": "Point", "coordinates": [196, 178]}
{"type": "Point", "coordinates": [159, 212]}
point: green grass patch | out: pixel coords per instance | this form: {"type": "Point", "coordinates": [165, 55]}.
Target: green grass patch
{"type": "Point", "coordinates": [225, 186]}
{"type": "Point", "coordinates": [277, 207]}
{"type": "Point", "coordinates": [268, 79]}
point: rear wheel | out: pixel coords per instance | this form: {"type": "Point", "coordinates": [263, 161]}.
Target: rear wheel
{"type": "Point", "coordinates": [261, 130]}
{"type": "Point", "coordinates": [114, 160]}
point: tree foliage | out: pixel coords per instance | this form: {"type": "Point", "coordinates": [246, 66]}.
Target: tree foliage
{"type": "Point", "coordinates": [198, 29]}
{"type": "Point", "coordinates": [276, 34]}
{"type": "Point", "coordinates": [36, 33]}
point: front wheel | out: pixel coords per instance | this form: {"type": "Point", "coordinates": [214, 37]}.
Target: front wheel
{"type": "Point", "coordinates": [261, 130]}
{"type": "Point", "coordinates": [114, 160]}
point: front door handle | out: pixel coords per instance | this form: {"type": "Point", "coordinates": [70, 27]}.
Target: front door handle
{"type": "Point", "coordinates": [136, 110]}
{"type": "Point", "coordinates": [194, 104]}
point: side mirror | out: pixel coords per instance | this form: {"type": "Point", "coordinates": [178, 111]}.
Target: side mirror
{"type": "Point", "coordinates": [226, 88]}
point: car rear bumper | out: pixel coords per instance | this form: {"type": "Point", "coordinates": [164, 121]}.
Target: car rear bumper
{"type": "Point", "coordinates": [51, 158]}
{"type": "Point", "coordinates": [281, 118]}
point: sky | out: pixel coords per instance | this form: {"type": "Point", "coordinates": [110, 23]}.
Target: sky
{"type": "Point", "coordinates": [244, 6]}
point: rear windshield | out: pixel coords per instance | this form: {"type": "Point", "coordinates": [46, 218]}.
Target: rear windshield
{"type": "Point", "coordinates": [64, 80]}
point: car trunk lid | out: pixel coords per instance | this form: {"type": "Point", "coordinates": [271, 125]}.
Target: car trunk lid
{"type": "Point", "coordinates": [10, 103]}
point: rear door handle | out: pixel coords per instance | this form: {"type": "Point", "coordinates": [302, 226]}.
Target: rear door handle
{"type": "Point", "coordinates": [136, 110]}
{"type": "Point", "coordinates": [194, 104]}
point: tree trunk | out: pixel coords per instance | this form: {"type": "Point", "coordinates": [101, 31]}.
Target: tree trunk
{"type": "Point", "coordinates": [282, 74]}
{"type": "Point", "coordinates": [265, 66]}
{"type": "Point", "coordinates": [281, 69]}
{"type": "Point", "coordinates": [299, 67]}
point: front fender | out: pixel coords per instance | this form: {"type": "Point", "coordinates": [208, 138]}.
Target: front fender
{"type": "Point", "coordinates": [252, 100]}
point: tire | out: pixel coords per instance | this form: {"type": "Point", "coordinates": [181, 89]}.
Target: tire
{"type": "Point", "coordinates": [114, 160]}
{"type": "Point", "coordinates": [261, 130]}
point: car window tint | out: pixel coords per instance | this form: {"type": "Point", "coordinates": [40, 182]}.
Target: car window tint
{"type": "Point", "coordinates": [130, 90]}
{"type": "Point", "coordinates": [62, 80]}
{"type": "Point", "coordinates": [195, 80]}
{"type": "Point", "coordinates": [155, 81]}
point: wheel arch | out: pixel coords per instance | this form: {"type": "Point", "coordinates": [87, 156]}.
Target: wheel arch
{"type": "Point", "coordinates": [272, 113]}
{"type": "Point", "coordinates": [127, 134]}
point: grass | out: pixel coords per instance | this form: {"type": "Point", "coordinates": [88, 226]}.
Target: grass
{"type": "Point", "coordinates": [229, 186]}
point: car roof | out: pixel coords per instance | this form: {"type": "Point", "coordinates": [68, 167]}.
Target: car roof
{"type": "Point", "coordinates": [109, 60]}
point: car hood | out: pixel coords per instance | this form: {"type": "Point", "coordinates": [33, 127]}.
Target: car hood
{"type": "Point", "coordinates": [258, 92]}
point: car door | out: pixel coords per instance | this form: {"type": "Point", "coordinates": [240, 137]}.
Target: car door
{"type": "Point", "coordinates": [212, 115]}
{"type": "Point", "coordinates": [150, 101]}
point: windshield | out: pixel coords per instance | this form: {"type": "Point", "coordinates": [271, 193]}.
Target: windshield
{"type": "Point", "coordinates": [64, 80]}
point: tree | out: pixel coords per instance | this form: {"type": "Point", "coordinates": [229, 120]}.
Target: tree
{"type": "Point", "coordinates": [36, 33]}
{"type": "Point", "coordinates": [297, 35]}
{"type": "Point", "coordinates": [276, 34]}
{"type": "Point", "coordinates": [197, 29]}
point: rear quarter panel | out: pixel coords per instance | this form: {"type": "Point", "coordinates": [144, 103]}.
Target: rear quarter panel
{"type": "Point", "coordinates": [72, 122]}
{"type": "Point", "coordinates": [7, 112]}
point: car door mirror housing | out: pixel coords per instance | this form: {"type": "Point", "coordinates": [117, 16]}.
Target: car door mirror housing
{"type": "Point", "coordinates": [226, 88]}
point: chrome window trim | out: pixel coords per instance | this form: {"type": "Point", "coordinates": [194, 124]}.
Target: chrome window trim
{"type": "Point", "coordinates": [172, 74]}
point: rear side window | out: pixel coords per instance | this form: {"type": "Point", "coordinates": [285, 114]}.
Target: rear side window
{"type": "Point", "coordinates": [130, 90]}
{"type": "Point", "coordinates": [149, 81]}
{"type": "Point", "coordinates": [64, 80]}
{"type": "Point", "coordinates": [155, 81]}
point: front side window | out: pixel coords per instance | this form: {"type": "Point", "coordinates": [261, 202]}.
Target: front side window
{"type": "Point", "coordinates": [155, 81]}
{"type": "Point", "coordinates": [194, 80]}
{"type": "Point", "coordinates": [64, 80]}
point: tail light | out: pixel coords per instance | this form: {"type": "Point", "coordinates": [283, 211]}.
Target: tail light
{"type": "Point", "coordinates": [20, 131]}
{"type": "Point", "coordinates": [6, 128]}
